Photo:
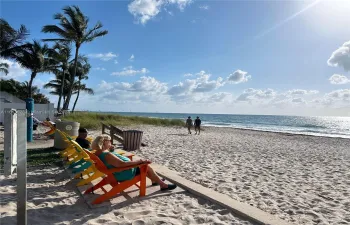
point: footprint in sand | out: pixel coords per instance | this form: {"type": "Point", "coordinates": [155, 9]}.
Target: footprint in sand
{"type": "Point", "coordinates": [138, 222]}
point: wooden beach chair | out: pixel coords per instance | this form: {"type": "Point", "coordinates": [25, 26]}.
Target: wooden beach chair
{"type": "Point", "coordinates": [68, 153]}
{"type": "Point", "coordinates": [52, 130]}
{"type": "Point", "coordinates": [117, 186]}
{"type": "Point", "coordinates": [87, 170]}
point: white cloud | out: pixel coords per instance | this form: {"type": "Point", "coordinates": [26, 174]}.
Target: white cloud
{"type": "Point", "coordinates": [103, 56]}
{"type": "Point", "coordinates": [105, 86]}
{"type": "Point", "coordinates": [146, 89]}
{"type": "Point", "coordinates": [99, 68]}
{"type": "Point", "coordinates": [339, 79]}
{"type": "Point", "coordinates": [144, 84]}
{"type": "Point", "coordinates": [149, 84]}
{"type": "Point", "coordinates": [188, 75]}
{"type": "Point", "coordinates": [115, 61]}
{"type": "Point", "coordinates": [200, 84]}
{"type": "Point", "coordinates": [144, 10]}
{"type": "Point", "coordinates": [15, 70]}
{"type": "Point", "coordinates": [204, 7]}
{"type": "Point", "coordinates": [299, 100]}
{"type": "Point", "coordinates": [218, 98]}
{"type": "Point", "coordinates": [238, 76]}
{"type": "Point", "coordinates": [341, 57]}
{"type": "Point", "coordinates": [129, 71]}
{"type": "Point", "coordinates": [203, 84]}
{"type": "Point", "coordinates": [132, 57]}
{"type": "Point", "coordinates": [339, 95]}
{"type": "Point", "coordinates": [182, 88]}
{"type": "Point", "coordinates": [337, 98]}
{"type": "Point", "coordinates": [300, 92]}
{"type": "Point", "coordinates": [180, 3]}
{"type": "Point", "coordinates": [252, 94]}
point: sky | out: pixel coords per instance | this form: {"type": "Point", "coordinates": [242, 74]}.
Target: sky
{"type": "Point", "coordinates": [226, 57]}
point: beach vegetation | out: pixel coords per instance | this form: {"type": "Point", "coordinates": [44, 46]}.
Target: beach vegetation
{"type": "Point", "coordinates": [94, 120]}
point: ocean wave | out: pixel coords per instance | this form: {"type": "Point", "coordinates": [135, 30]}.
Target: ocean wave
{"type": "Point", "coordinates": [289, 130]}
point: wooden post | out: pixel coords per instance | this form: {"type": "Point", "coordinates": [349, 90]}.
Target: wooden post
{"type": "Point", "coordinates": [111, 132]}
{"type": "Point", "coordinates": [21, 167]}
{"type": "Point", "coordinates": [103, 128]}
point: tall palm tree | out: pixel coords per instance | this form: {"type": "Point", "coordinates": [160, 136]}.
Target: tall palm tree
{"type": "Point", "coordinates": [11, 40]}
{"type": "Point", "coordinates": [82, 73]}
{"type": "Point", "coordinates": [73, 28]}
{"type": "Point", "coordinates": [35, 58]}
{"type": "Point", "coordinates": [4, 67]}
{"type": "Point", "coordinates": [62, 55]}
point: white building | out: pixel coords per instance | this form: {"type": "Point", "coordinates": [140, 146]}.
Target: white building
{"type": "Point", "coordinates": [41, 111]}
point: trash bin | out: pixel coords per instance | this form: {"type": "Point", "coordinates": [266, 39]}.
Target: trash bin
{"type": "Point", "coordinates": [69, 127]}
{"type": "Point", "coordinates": [132, 139]}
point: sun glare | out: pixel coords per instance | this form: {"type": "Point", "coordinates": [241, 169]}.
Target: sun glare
{"type": "Point", "coordinates": [329, 16]}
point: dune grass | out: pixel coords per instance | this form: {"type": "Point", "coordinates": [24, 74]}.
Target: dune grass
{"type": "Point", "coordinates": [91, 120]}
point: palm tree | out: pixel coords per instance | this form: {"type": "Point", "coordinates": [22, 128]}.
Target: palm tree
{"type": "Point", "coordinates": [62, 55]}
{"type": "Point", "coordinates": [4, 67]}
{"type": "Point", "coordinates": [34, 57]}
{"type": "Point", "coordinates": [82, 73]}
{"type": "Point", "coordinates": [10, 86]}
{"type": "Point", "coordinates": [56, 86]}
{"type": "Point", "coordinates": [20, 90]}
{"type": "Point", "coordinates": [73, 28]}
{"type": "Point", "coordinates": [11, 40]}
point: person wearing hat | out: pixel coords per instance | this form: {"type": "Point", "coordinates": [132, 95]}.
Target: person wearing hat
{"type": "Point", "coordinates": [189, 124]}
{"type": "Point", "coordinates": [81, 139]}
{"type": "Point", "coordinates": [197, 125]}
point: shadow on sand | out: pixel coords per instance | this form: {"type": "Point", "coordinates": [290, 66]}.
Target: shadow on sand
{"type": "Point", "coordinates": [58, 202]}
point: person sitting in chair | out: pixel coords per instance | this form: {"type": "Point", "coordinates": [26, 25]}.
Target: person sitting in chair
{"type": "Point", "coordinates": [81, 139]}
{"type": "Point", "coordinates": [102, 145]}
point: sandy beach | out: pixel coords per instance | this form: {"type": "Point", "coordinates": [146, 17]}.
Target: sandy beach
{"type": "Point", "coordinates": [53, 199]}
{"type": "Point", "coordinates": [301, 179]}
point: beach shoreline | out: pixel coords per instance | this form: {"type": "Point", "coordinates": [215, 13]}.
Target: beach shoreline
{"type": "Point", "coordinates": [275, 132]}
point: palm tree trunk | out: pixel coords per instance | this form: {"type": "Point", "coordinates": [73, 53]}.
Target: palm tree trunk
{"type": "Point", "coordinates": [30, 84]}
{"type": "Point", "coordinates": [73, 78]}
{"type": "Point", "coordinates": [76, 100]}
{"type": "Point", "coordinates": [61, 92]}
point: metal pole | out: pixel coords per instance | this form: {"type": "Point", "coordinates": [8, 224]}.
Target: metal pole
{"type": "Point", "coordinates": [21, 167]}
{"type": "Point", "coordinates": [30, 110]}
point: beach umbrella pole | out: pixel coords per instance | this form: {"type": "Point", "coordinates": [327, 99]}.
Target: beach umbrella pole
{"type": "Point", "coordinates": [30, 110]}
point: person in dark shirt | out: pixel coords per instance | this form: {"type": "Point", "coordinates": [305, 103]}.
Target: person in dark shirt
{"type": "Point", "coordinates": [197, 125]}
{"type": "Point", "coordinates": [81, 139]}
{"type": "Point", "coordinates": [189, 124]}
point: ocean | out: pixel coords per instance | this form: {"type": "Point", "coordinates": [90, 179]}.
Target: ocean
{"type": "Point", "coordinates": [308, 125]}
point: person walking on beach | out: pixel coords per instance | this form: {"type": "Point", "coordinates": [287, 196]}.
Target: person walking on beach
{"type": "Point", "coordinates": [197, 125]}
{"type": "Point", "coordinates": [189, 124]}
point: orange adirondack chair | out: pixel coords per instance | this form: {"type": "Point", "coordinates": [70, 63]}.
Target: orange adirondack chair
{"type": "Point", "coordinates": [117, 186]}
